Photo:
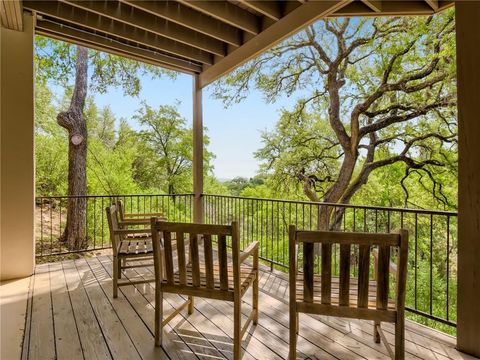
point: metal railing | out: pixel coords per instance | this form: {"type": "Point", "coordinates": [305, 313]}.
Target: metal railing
{"type": "Point", "coordinates": [432, 248]}
{"type": "Point", "coordinates": [431, 290]}
{"type": "Point", "coordinates": [51, 216]}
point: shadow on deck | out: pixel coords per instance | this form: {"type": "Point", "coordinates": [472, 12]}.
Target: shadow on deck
{"type": "Point", "coordinates": [71, 315]}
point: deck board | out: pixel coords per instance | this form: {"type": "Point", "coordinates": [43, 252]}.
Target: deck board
{"type": "Point", "coordinates": [67, 341]}
{"type": "Point", "coordinates": [72, 315]}
{"type": "Point", "coordinates": [89, 331]}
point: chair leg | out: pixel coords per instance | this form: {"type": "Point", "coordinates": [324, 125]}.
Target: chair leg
{"type": "Point", "coordinates": [115, 277]}
{"type": "Point", "coordinates": [237, 325]}
{"type": "Point", "coordinates": [400, 338]}
{"type": "Point", "coordinates": [158, 317]}
{"type": "Point", "coordinates": [376, 334]}
{"type": "Point", "coordinates": [292, 355]}
{"type": "Point", "coordinates": [297, 325]}
{"type": "Point", "coordinates": [255, 300]}
{"type": "Point", "coordinates": [191, 305]}
{"type": "Point", "coordinates": [120, 267]}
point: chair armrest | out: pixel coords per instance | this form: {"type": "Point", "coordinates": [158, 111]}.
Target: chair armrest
{"type": "Point", "coordinates": [392, 266]}
{"type": "Point", "coordinates": [251, 250]}
{"type": "Point", "coordinates": [131, 231]}
{"type": "Point", "coordinates": [145, 215]}
{"type": "Point", "coordinates": [134, 222]}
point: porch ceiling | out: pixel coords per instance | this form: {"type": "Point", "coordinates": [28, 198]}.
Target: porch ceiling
{"type": "Point", "coordinates": [209, 38]}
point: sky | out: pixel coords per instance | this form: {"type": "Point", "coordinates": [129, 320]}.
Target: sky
{"type": "Point", "coordinates": [235, 132]}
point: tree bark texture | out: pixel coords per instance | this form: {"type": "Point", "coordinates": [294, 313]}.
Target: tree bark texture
{"type": "Point", "coordinates": [75, 233]}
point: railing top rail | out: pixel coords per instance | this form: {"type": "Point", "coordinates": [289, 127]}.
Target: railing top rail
{"type": "Point", "coordinates": [109, 196]}
{"type": "Point", "coordinates": [380, 208]}
{"type": "Point", "coordinates": [368, 207]}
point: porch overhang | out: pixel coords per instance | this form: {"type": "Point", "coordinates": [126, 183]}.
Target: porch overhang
{"type": "Point", "coordinates": [206, 38]}
{"type": "Point", "coordinates": [209, 39]}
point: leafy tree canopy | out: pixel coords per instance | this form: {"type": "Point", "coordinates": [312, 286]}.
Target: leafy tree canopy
{"type": "Point", "coordinates": [369, 93]}
{"type": "Point", "coordinates": [55, 62]}
{"type": "Point", "coordinates": [167, 148]}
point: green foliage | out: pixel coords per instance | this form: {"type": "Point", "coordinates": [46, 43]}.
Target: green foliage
{"type": "Point", "coordinates": [166, 149]}
{"type": "Point", "coordinates": [55, 63]}
{"type": "Point", "coordinates": [155, 159]}
{"type": "Point", "coordinates": [238, 184]}
{"type": "Point", "coordinates": [304, 145]}
{"type": "Point", "coordinates": [370, 93]}
{"type": "Point", "coordinates": [51, 146]}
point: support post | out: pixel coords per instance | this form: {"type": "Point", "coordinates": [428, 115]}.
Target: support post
{"type": "Point", "coordinates": [468, 83]}
{"type": "Point", "coordinates": [197, 151]}
{"type": "Point", "coordinates": [17, 189]}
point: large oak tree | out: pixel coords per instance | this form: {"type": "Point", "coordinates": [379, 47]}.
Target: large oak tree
{"type": "Point", "coordinates": [369, 93]}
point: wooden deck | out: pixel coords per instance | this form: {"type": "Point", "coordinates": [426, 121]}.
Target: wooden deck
{"type": "Point", "coordinates": [71, 315]}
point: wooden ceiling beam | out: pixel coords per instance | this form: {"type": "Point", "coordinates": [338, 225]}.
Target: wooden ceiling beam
{"type": "Point", "coordinates": [151, 23]}
{"type": "Point", "coordinates": [11, 14]}
{"type": "Point", "coordinates": [445, 4]}
{"type": "Point", "coordinates": [93, 21]}
{"type": "Point", "coordinates": [375, 5]}
{"type": "Point", "coordinates": [389, 8]}
{"type": "Point", "coordinates": [271, 9]}
{"type": "Point", "coordinates": [227, 13]}
{"type": "Point", "coordinates": [186, 16]}
{"type": "Point", "coordinates": [105, 44]}
{"type": "Point", "coordinates": [433, 4]}
{"type": "Point", "coordinates": [282, 29]}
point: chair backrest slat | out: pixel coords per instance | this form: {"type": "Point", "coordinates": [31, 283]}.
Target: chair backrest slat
{"type": "Point", "coordinates": [167, 243]}
{"type": "Point", "coordinates": [182, 270]}
{"type": "Point", "coordinates": [121, 209]}
{"type": "Point", "coordinates": [401, 279]}
{"type": "Point", "coordinates": [383, 276]}
{"type": "Point", "coordinates": [330, 294]}
{"type": "Point", "coordinates": [308, 262]}
{"type": "Point", "coordinates": [195, 259]}
{"type": "Point", "coordinates": [326, 288]}
{"type": "Point", "coordinates": [197, 270]}
{"type": "Point", "coordinates": [363, 275]}
{"type": "Point", "coordinates": [208, 252]}
{"type": "Point", "coordinates": [223, 262]}
{"type": "Point", "coordinates": [344, 281]}
{"type": "Point", "coordinates": [112, 219]}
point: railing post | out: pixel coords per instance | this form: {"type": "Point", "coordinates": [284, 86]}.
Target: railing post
{"type": "Point", "coordinates": [468, 81]}
{"type": "Point", "coordinates": [197, 151]}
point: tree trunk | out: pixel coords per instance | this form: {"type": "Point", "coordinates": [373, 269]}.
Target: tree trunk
{"type": "Point", "coordinates": [329, 217]}
{"type": "Point", "coordinates": [75, 234]}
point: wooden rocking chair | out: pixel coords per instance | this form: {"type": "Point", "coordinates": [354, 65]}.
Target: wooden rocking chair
{"type": "Point", "coordinates": [129, 219]}
{"type": "Point", "coordinates": [127, 244]}
{"type": "Point", "coordinates": [343, 296]}
{"type": "Point", "coordinates": [226, 279]}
